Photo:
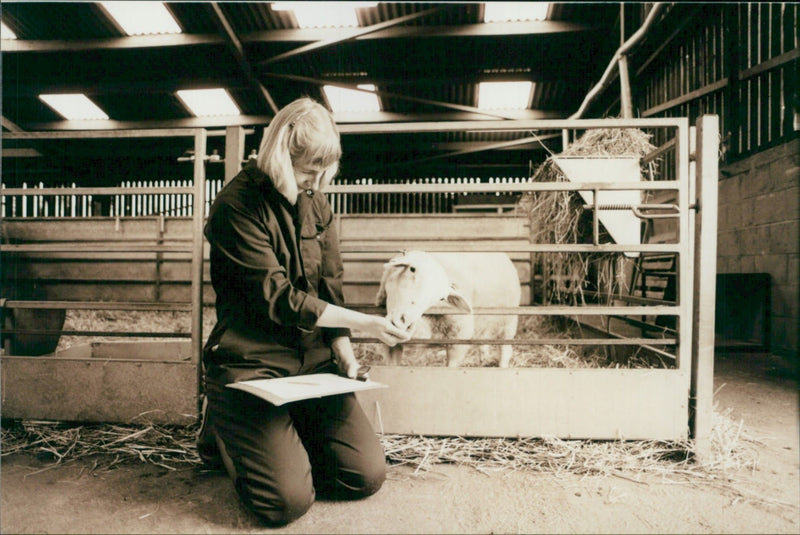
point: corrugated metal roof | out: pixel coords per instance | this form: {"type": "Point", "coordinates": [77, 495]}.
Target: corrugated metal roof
{"type": "Point", "coordinates": [426, 67]}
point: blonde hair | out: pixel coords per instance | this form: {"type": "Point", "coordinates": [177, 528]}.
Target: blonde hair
{"type": "Point", "coordinates": [302, 133]}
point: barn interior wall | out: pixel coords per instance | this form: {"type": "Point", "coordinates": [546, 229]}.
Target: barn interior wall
{"type": "Point", "coordinates": [739, 62]}
{"type": "Point", "coordinates": [759, 232]}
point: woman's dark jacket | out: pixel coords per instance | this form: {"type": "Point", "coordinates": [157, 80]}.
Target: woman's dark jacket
{"type": "Point", "coordinates": [274, 268]}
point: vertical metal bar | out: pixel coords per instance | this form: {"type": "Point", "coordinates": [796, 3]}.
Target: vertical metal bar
{"type": "Point", "coordinates": [705, 281]}
{"type": "Point", "coordinates": [596, 217]}
{"type": "Point", "coordinates": [684, 262]}
{"type": "Point", "coordinates": [197, 253]}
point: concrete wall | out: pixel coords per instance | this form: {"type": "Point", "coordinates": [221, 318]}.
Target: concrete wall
{"type": "Point", "coordinates": [759, 231]}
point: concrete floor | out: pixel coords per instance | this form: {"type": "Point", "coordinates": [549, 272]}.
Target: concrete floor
{"type": "Point", "coordinates": [759, 389]}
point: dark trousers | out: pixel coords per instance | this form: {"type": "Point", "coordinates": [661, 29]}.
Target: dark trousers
{"type": "Point", "coordinates": [280, 458]}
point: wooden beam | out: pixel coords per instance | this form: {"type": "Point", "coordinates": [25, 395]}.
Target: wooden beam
{"type": "Point", "coordinates": [234, 151]}
{"type": "Point", "coordinates": [11, 126]}
{"type": "Point", "coordinates": [343, 119]}
{"type": "Point", "coordinates": [347, 35]}
{"type": "Point", "coordinates": [511, 126]}
{"type": "Point", "coordinates": [398, 96]}
{"type": "Point", "coordinates": [770, 64]}
{"type": "Point", "coordinates": [399, 123]}
{"type": "Point", "coordinates": [692, 95]}
{"type": "Point", "coordinates": [495, 29]}
{"type": "Point", "coordinates": [108, 87]}
{"type": "Point", "coordinates": [235, 45]}
{"type": "Point", "coordinates": [21, 152]}
{"type": "Point", "coordinates": [471, 148]}
{"type": "Point", "coordinates": [625, 88]}
{"type": "Point", "coordinates": [115, 43]}
{"type": "Point", "coordinates": [291, 36]}
{"type": "Point", "coordinates": [186, 122]}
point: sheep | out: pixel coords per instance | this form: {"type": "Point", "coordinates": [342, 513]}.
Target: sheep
{"type": "Point", "coordinates": [416, 281]}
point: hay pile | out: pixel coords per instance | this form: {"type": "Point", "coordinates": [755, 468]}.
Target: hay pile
{"type": "Point", "coordinates": [731, 450]}
{"type": "Point", "coordinates": [173, 447]}
{"type": "Point", "coordinates": [106, 445]}
{"type": "Point", "coordinates": [558, 217]}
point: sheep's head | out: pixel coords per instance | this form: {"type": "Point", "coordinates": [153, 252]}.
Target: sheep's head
{"type": "Point", "coordinates": [411, 284]}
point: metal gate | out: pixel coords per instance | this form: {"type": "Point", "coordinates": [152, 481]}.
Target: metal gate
{"type": "Point", "coordinates": [662, 404]}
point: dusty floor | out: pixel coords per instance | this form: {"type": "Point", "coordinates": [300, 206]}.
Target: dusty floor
{"type": "Point", "coordinates": [71, 498]}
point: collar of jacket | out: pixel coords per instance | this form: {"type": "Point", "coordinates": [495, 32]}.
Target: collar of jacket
{"type": "Point", "coordinates": [264, 182]}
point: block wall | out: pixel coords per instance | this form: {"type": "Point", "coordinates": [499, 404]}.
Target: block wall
{"type": "Point", "coordinates": [759, 232]}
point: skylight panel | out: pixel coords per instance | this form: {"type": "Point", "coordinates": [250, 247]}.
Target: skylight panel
{"type": "Point", "coordinates": [5, 32]}
{"type": "Point", "coordinates": [208, 102]}
{"type": "Point", "coordinates": [324, 14]}
{"type": "Point", "coordinates": [349, 100]}
{"type": "Point", "coordinates": [504, 95]}
{"type": "Point", "coordinates": [515, 11]}
{"type": "Point", "coordinates": [74, 107]}
{"type": "Point", "coordinates": [142, 18]}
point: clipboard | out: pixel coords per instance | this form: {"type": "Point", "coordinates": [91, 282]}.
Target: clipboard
{"type": "Point", "coordinates": [296, 388]}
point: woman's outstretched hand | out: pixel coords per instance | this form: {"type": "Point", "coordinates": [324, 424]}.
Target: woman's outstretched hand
{"type": "Point", "coordinates": [386, 331]}
{"type": "Point", "coordinates": [369, 325]}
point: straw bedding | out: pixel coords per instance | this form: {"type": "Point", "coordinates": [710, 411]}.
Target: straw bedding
{"type": "Point", "coordinates": [107, 446]}
{"type": "Point", "coordinates": [172, 447]}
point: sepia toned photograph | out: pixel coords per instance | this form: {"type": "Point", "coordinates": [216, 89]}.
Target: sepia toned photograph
{"type": "Point", "coordinates": [399, 267]}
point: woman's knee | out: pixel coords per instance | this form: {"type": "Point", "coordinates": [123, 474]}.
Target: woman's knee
{"type": "Point", "coordinates": [276, 505]}
{"type": "Point", "coordinates": [372, 477]}
{"type": "Point", "coordinates": [360, 480]}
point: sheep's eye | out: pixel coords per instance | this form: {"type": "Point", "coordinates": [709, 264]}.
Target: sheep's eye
{"type": "Point", "coordinates": [413, 269]}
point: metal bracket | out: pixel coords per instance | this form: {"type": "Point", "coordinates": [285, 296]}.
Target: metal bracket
{"type": "Point", "coordinates": [638, 209]}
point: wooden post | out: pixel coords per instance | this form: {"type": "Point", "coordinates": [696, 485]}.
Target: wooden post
{"type": "Point", "coordinates": [625, 88]}
{"type": "Point", "coordinates": [626, 104]}
{"type": "Point", "coordinates": [705, 273]}
{"type": "Point", "coordinates": [234, 151]}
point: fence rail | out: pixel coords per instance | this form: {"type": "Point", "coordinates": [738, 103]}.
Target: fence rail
{"type": "Point", "coordinates": [173, 198]}
{"type": "Point", "coordinates": [131, 198]}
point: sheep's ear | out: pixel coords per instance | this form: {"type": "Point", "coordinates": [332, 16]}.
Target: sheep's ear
{"type": "Point", "coordinates": [380, 298]}
{"type": "Point", "coordinates": [459, 300]}
{"type": "Point", "coordinates": [399, 261]}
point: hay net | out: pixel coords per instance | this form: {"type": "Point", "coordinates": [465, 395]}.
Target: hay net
{"type": "Point", "coordinates": [558, 217]}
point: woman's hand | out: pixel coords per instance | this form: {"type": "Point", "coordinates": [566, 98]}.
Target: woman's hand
{"type": "Point", "coordinates": [385, 331]}
{"type": "Point", "coordinates": [345, 357]}
{"type": "Point", "coordinates": [373, 326]}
